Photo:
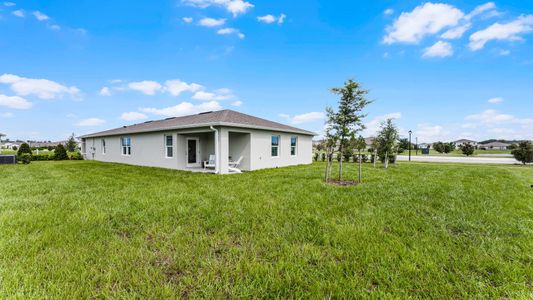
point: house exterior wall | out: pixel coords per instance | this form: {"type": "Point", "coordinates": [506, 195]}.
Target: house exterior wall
{"type": "Point", "coordinates": [148, 149]}
{"type": "Point", "coordinates": [261, 155]}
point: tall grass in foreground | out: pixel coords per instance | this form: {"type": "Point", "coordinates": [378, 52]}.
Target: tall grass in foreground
{"type": "Point", "coordinates": [80, 229]}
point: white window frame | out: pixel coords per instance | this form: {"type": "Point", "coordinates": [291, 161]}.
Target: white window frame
{"type": "Point", "coordinates": [123, 147]}
{"type": "Point", "coordinates": [166, 146]}
{"type": "Point", "coordinates": [295, 145]}
{"type": "Point", "coordinates": [278, 146]}
{"type": "Point", "coordinates": [104, 150]}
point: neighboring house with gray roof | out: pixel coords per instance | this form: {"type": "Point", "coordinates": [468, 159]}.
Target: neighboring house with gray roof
{"type": "Point", "coordinates": [495, 146]}
{"type": "Point", "coordinates": [186, 143]}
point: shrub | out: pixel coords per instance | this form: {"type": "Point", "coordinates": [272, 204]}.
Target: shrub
{"type": "Point", "coordinates": [468, 149]}
{"type": "Point", "coordinates": [41, 157]}
{"type": "Point", "coordinates": [347, 157]}
{"type": "Point", "coordinates": [24, 148]}
{"type": "Point", "coordinates": [24, 158]}
{"type": "Point", "coordinates": [323, 156]}
{"type": "Point", "coordinates": [60, 153]}
{"type": "Point", "coordinates": [51, 148]}
{"type": "Point", "coordinates": [364, 158]}
{"type": "Point", "coordinates": [392, 159]}
{"type": "Point", "coordinates": [355, 158]}
{"type": "Point", "coordinates": [75, 156]}
{"type": "Point", "coordinates": [524, 152]}
{"type": "Point", "coordinates": [14, 148]}
{"type": "Point", "coordinates": [372, 158]}
{"type": "Point", "coordinates": [338, 156]}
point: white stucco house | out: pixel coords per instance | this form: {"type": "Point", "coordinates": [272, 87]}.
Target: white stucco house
{"type": "Point", "coordinates": [229, 138]}
{"type": "Point", "coordinates": [462, 142]}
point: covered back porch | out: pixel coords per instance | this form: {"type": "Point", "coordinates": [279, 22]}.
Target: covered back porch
{"type": "Point", "coordinates": [214, 150]}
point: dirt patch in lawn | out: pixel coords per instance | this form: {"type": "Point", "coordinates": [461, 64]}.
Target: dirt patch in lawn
{"type": "Point", "coordinates": [342, 182]}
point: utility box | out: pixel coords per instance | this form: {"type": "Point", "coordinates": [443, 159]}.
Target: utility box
{"type": "Point", "coordinates": [8, 159]}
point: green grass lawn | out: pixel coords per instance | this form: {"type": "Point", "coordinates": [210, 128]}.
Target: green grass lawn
{"type": "Point", "coordinates": [82, 229]}
{"type": "Point", "coordinates": [458, 153]}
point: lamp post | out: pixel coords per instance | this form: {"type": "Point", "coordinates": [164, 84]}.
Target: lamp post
{"type": "Point", "coordinates": [410, 132]}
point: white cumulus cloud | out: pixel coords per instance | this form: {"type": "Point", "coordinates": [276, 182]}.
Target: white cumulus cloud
{"type": "Point", "coordinates": [511, 31]}
{"type": "Point", "coordinates": [235, 7]}
{"type": "Point", "coordinates": [19, 13]}
{"type": "Point", "coordinates": [226, 31]}
{"type": "Point", "coordinates": [187, 19]}
{"type": "Point", "coordinates": [210, 22]}
{"type": "Point", "coordinates": [40, 16]}
{"type": "Point", "coordinates": [495, 100]}
{"type": "Point", "coordinates": [303, 118]}
{"type": "Point", "coordinates": [175, 87]}
{"type": "Point", "coordinates": [42, 88]}
{"type": "Point", "coordinates": [269, 19]}
{"type": "Point", "coordinates": [183, 109]}
{"type": "Point", "coordinates": [424, 20]}
{"type": "Point", "coordinates": [439, 49]}
{"type": "Point", "coordinates": [133, 116]}
{"type": "Point", "coordinates": [147, 87]}
{"type": "Point", "coordinates": [90, 122]}
{"type": "Point", "coordinates": [14, 102]}
{"type": "Point", "coordinates": [105, 91]}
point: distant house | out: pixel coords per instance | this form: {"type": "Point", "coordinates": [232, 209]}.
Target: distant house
{"type": "Point", "coordinates": [224, 140]}
{"type": "Point", "coordinates": [462, 142]}
{"type": "Point", "coordinates": [10, 145]}
{"type": "Point", "coordinates": [425, 146]}
{"type": "Point", "coordinates": [495, 146]}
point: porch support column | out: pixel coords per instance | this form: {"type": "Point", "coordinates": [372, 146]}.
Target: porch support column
{"type": "Point", "coordinates": [223, 151]}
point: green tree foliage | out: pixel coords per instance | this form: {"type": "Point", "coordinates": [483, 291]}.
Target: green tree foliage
{"type": "Point", "coordinates": [403, 145]}
{"type": "Point", "coordinates": [524, 152]}
{"type": "Point", "coordinates": [71, 144]}
{"type": "Point", "coordinates": [24, 148]}
{"type": "Point", "coordinates": [468, 149]}
{"type": "Point", "coordinates": [60, 153]}
{"type": "Point", "coordinates": [347, 121]}
{"type": "Point", "coordinates": [388, 138]}
{"type": "Point", "coordinates": [444, 147]}
{"type": "Point", "coordinates": [25, 158]}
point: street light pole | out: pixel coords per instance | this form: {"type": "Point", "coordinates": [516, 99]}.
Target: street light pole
{"type": "Point", "coordinates": [410, 132]}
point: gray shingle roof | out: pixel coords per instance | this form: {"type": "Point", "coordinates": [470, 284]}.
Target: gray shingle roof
{"type": "Point", "coordinates": [216, 118]}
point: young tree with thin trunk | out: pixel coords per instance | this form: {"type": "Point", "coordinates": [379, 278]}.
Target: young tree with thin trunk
{"type": "Point", "coordinates": [388, 139]}
{"type": "Point", "coordinates": [360, 145]}
{"type": "Point", "coordinates": [375, 147]}
{"type": "Point", "coordinates": [330, 141]}
{"type": "Point", "coordinates": [347, 121]}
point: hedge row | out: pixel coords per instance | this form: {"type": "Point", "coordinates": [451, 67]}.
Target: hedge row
{"type": "Point", "coordinates": [50, 156]}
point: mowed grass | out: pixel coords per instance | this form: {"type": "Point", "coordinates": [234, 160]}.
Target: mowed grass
{"type": "Point", "coordinates": [82, 229]}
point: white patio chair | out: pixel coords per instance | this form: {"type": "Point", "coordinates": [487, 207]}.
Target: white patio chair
{"type": "Point", "coordinates": [211, 163]}
{"type": "Point", "coordinates": [233, 165]}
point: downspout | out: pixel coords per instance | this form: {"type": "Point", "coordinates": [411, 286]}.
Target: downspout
{"type": "Point", "coordinates": [217, 156]}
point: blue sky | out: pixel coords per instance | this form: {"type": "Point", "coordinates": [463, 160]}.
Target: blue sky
{"type": "Point", "coordinates": [446, 70]}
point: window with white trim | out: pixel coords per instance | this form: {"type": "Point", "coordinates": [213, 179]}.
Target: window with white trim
{"type": "Point", "coordinates": [275, 145]}
{"type": "Point", "coordinates": [169, 146]}
{"type": "Point", "coordinates": [103, 146]}
{"type": "Point", "coordinates": [294, 145]}
{"type": "Point", "coordinates": [126, 145]}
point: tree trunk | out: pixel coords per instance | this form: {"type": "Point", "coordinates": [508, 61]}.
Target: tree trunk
{"type": "Point", "coordinates": [386, 159]}
{"type": "Point", "coordinates": [327, 166]}
{"type": "Point", "coordinates": [360, 168]}
{"type": "Point", "coordinates": [340, 162]}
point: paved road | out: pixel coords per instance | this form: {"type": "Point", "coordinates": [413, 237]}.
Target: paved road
{"type": "Point", "coordinates": [458, 159]}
